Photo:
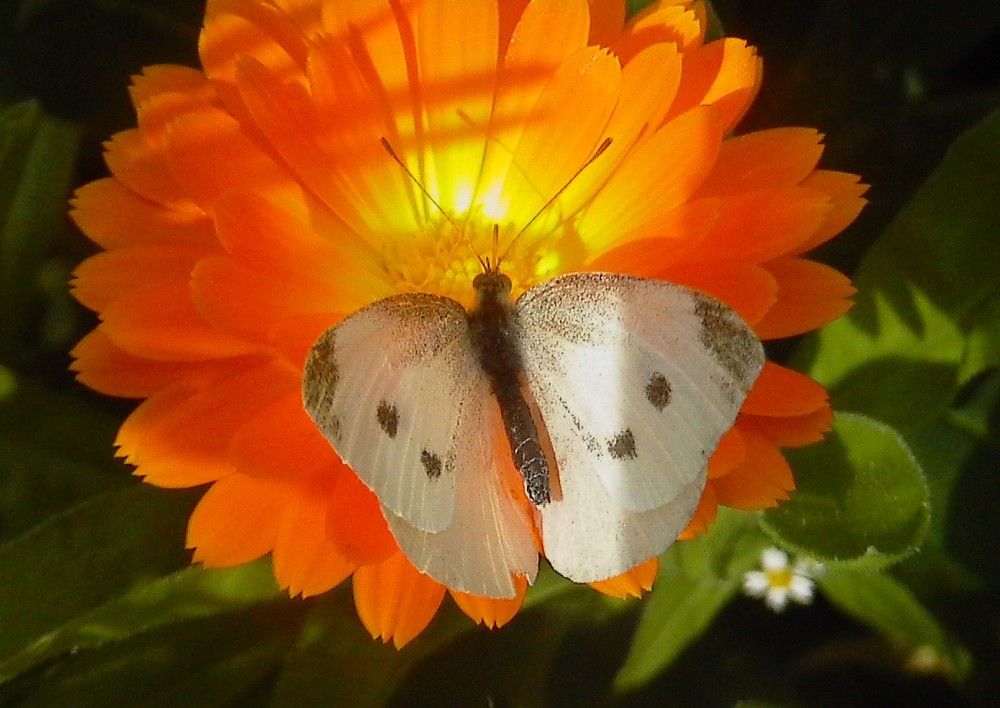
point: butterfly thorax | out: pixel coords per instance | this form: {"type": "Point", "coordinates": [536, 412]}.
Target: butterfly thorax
{"type": "Point", "coordinates": [494, 328]}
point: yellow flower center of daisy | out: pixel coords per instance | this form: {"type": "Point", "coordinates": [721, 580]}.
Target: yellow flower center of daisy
{"type": "Point", "coordinates": [780, 578]}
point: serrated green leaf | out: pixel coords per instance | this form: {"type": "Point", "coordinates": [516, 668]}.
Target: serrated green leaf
{"type": "Point", "coordinates": [922, 288]}
{"type": "Point", "coordinates": [861, 497]}
{"type": "Point", "coordinates": [887, 606]}
{"type": "Point", "coordinates": [88, 556]}
{"type": "Point", "coordinates": [696, 580]}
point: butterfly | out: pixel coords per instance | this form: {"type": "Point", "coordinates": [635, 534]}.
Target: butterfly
{"type": "Point", "coordinates": [613, 391]}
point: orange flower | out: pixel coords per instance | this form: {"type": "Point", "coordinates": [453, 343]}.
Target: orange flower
{"type": "Point", "coordinates": [253, 207]}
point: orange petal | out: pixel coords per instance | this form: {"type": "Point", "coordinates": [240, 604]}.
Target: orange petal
{"type": "Point", "coordinates": [725, 73]}
{"type": "Point", "coordinates": [533, 55]}
{"type": "Point", "coordinates": [607, 20]}
{"type": "Point", "coordinates": [236, 521]}
{"type": "Point", "coordinates": [209, 153]}
{"type": "Point", "coordinates": [791, 431]}
{"type": "Point", "coordinates": [110, 275]}
{"type": "Point", "coordinates": [183, 440]}
{"type": "Point", "coordinates": [704, 515]}
{"type": "Point", "coordinates": [810, 294]}
{"type": "Point", "coordinates": [845, 191]}
{"type": "Point", "coordinates": [457, 55]}
{"type": "Point", "coordinates": [163, 323]}
{"type": "Point", "coordinates": [728, 454]}
{"type": "Point", "coordinates": [660, 23]}
{"type": "Point", "coordinates": [780, 391]}
{"type": "Point", "coordinates": [649, 251]}
{"type": "Point", "coordinates": [280, 442]}
{"type": "Point", "coordinates": [160, 106]}
{"type": "Point", "coordinates": [234, 28]}
{"type": "Point", "coordinates": [761, 481]}
{"type": "Point", "coordinates": [747, 288]}
{"type": "Point", "coordinates": [488, 611]}
{"type": "Point", "coordinates": [354, 519]}
{"type": "Point", "coordinates": [573, 112]}
{"type": "Point", "coordinates": [145, 172]}
{"type": "Point", "coordinates": [305, 561]}
{"type": "Point", "coordinates": [631, 583]}
{"type": "Point", "coordinates": [107, 212]}
{"type": "Point", "coordinates": [160, 79]}
{"type": "Point", "coordinates": [394, 600]}
{"type": "Point", "coordinates": [781, 157]}
{"type": "Point", "coordinates": [106, 368]}
{"type": "Point", "coordinates": [764, 224]}
{"type": "Point", "coordinates": [648, 84]}
{"type": "Point", "coordinates": [659, 175]}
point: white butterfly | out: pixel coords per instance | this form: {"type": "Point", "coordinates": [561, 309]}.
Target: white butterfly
{"type": "Point", "coordinates": [613, 390]}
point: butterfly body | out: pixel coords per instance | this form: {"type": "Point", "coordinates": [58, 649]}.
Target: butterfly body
{"type": "Point", "coordinates": [613, 392]}
{"type": "Point", "coordinates": [494, 329]}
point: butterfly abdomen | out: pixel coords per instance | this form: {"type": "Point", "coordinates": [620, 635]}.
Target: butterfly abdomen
{"type": "Point", "coordinates": [493, 326]}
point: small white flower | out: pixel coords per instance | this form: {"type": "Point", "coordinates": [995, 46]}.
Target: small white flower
{"type": "Point", "coordinates": [778, 583]}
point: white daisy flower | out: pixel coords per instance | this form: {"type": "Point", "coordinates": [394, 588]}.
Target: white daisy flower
{"type": "Point", "coordinates": [778, 582]}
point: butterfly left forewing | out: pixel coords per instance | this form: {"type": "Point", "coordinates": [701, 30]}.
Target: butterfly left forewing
{"type": "Point", "coordinates": [636, 381]}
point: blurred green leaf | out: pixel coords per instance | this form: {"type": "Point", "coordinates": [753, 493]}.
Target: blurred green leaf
{"type": "Point", "coordinates": [55, 451]}
{"type": "Point", "coordinates": [37, 158]}
{"type": "Point", "coordinates": [188, 594]}
{"type": "Point", "coordinates": [337, 663]}
{"type": "Point", "coordinates": [861, 497]}
{"type": "Point", "coordinates": [925, 284]}
{"type": "Point", "coordinates": [887, 606]}
{"type": "Point", "coordinates": [696, 580]}
{"type": "Point", "coordinates": [81, 559]}
{"type": "Point", "coordinates": [212, 661]}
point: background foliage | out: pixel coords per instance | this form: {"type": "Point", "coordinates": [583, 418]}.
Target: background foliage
{"type": "Point", "coordinates": [98, 605]}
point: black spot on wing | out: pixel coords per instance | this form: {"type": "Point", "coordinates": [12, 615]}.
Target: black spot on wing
{"type": "Point", "coordinates": [388, 418]}
{"type": "Point", "coordinates": [728, 339]}
{"type": "Point", "coordinates": [658, 391]}
{"type": "Point", "coordinates": [432, 464]}
{"type": "Point", "coordinates": [622, 446]}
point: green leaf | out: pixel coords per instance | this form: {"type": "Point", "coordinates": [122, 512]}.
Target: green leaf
{"type": "Point", "coordinates": [861, 497]}
{"type": "Point", "coordinates": [696, 580]}
{"type": "Point", "coordinates": [218, 660]}
{"type": "Point", "coordinates": [37, 159]}
{"type": "Point", "coordinates": [337, 663]}
{"type": "Point", "coordinates": [923, 287]}
{"type": "Point", "coordinates": [85, 557]}
{"type": "Point", "coordinates": [183, 596]}
{"type": "Point", "coordinates": [887, 606]}
{"type": "Point", "coordinates": [55, 451]}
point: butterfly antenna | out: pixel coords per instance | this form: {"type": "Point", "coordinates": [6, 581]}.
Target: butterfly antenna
{"type": "Point", "coordinates": [605, 144]}
{"type": "Point", "coordinates": [395, 156]}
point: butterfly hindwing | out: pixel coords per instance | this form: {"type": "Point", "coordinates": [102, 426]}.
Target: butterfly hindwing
{"type": "Point", "coordinates": [490, 537]}
{"type": "Point", "coordinates": [636, 381]}
{"type": "Point", "coordinates": [386, 387]}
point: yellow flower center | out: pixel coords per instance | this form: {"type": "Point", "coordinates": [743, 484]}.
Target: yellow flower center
{"type": "Point", "coordinates": [446, 254]}
{"type": "Point", "coordinates": [780, 578]}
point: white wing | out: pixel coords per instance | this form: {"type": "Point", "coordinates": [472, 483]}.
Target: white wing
{"type": "Point", "coordinates": [490, 537]}
{"type": "Point", "coordinates": [636, 381]}
{"type": "Point", "coordinates": [397, 390]}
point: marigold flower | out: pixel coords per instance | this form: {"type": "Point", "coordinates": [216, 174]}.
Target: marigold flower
{"type": "Point", "coordinates": [253, 207]}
